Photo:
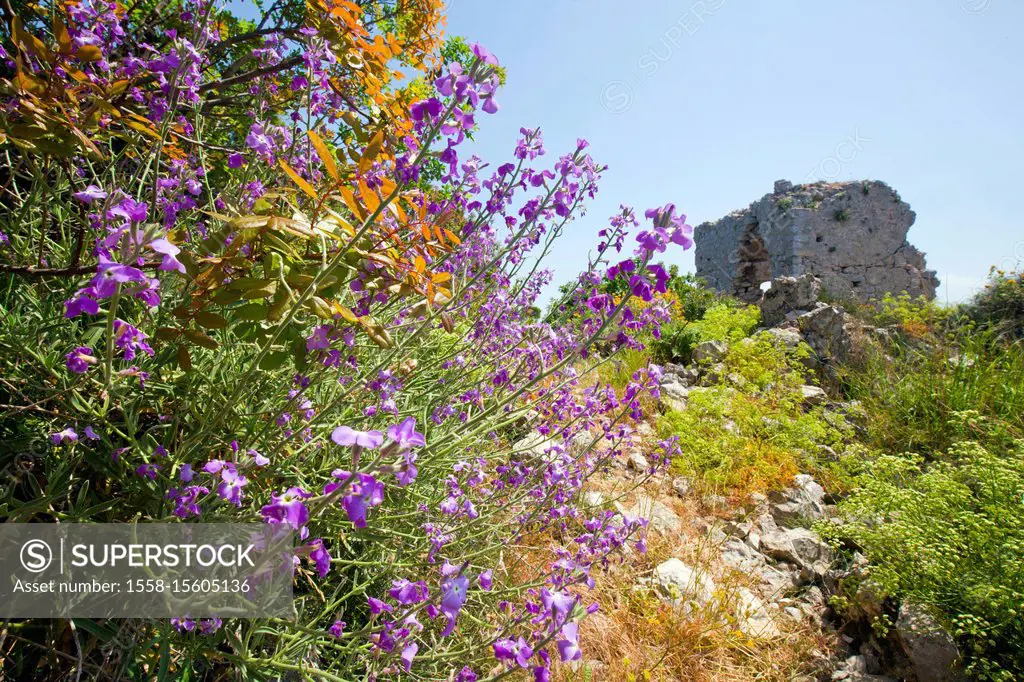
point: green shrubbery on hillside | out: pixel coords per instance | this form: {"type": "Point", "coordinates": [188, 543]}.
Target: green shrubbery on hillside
{"type": "Point", "coordinates": [751, 431]}
{"type": "Point", "coordinates": [938, 511]}
{"type": "Point", "coordinates": [725, 321]}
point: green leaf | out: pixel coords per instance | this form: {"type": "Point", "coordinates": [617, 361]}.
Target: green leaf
{"type": "Point", "coordinates": [273, 360]}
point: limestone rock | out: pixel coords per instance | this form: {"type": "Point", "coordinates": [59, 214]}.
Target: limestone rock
{"type": "Point", "coordinates": [805, 500]}
{"type": "Point", "coordinates": [812, 395]}
{"type": "Point", "coordinates": [675, 390]}
{"type": "Point", "coordinates": [682, 486]}
{"type": "Point", "coordinates": [790, 338]}
{"type": "Point", "coordinates": [679, 582]}
{"type": "Point", "coordinates": [825, 330]}
{"type": "Point", "coordinates": [787, 295]}
{"type": "Point", "coordinates": [927, 644]}
{"type": "Point", "coordinates": [752, 616]}
{"type": "Point", "coordinates": [710, 352]}
{"type": "Point", "coordinates": [637, 462]}
{"type": "Point", "coordinates": [660, 515]}
{"type": "Point", "coordinates": [799, 546]}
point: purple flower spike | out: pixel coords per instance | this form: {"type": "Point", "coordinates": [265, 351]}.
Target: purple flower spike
{"type": "Point", "coordinates": [169, 251]}
{"type": "Point", "coordinates": [320, 557]}
{"type": "Point", "coordinates": [362, 494]}
{"type": "Point", "coordinates": [509, 650]}
{"type": "Point", "coordinates": [453, 596]}
{"type": "Point", "coordinates": [484, 55]}
{"type": "Point", "coordinates": [348, 437]}
{"type": "Point", "coordinates": [80, 304]}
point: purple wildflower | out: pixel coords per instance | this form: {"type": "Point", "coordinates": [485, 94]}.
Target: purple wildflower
{"type": "Point", "coordinates": [288, 508]}
{"type": "Point", "coordinates": [337, 628]}
{"type": "Point", "coordinates": [79, 359]}
{"type": "Point", "coordinates": [568, 644]}
{"type": "Point", "coordinates": [90, 194]}
{"type": "Point", "coordinates": [345, 436]}
{"type": "Point", "coordinates": [68, 435]}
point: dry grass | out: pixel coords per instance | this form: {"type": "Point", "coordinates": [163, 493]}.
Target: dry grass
{"type": "Point", "coordinates": [637, 636]}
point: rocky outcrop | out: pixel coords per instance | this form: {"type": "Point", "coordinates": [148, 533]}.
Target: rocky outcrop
{"type": "Point", "coordinates": [851, 235]}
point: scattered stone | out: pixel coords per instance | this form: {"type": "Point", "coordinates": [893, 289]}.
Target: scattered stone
{"type": "Point", "coordinates": [827, 453]}
{"type": "Point", "coordinates": [805, 500]}
{"type": "Point", "coordinates": [661, 516]}
{"type": "Point", "coordinates": [533, 444]}
{"type": "Point", "coordinates": [812, 395]}
{"type": "Point", "coordinates": [637, 462]}
{"type": "Point", "coordinates": [687, 376]}
{"type": "Point", "coordinates": [709, 352]}
{"type": "Point", "coordinates": [790, 338]}
{"type": "Point", "coordinates": [753, 618]}
{"type": "Point", "coordinates": [714, 375]}
{"type": "Point", "coordinates": [801, 547]}
{"type": "Point", "coordinates": [787, 295]}
{"type": "Point", "coordinates": [736, 380]}
{"type": "Point", "coordinates": [855, 669]}
{"type": "Point", "coordinates": [593, 498]}
{"type": "Point", "coordinates": [682, 486]}
{"type": "Point", "coordinates": [927, 644]}
{"type": "Point", "coordinates": [739, 529]}
{"type": "Point", "coordinates": [870, 598]}
{"type": "Point", "coordinates": [715, 502]}
{"type": "Point", "coordinates": [680, 583]}
{"type": "Point", "coordinates": [675, 390]}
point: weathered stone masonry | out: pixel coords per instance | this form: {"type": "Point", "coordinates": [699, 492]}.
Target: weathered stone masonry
{"type": "Point", "coordinates": [851, 235]}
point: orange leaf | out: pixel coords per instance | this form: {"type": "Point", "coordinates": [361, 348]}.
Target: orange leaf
{"type": "Point", "coordinates": [89, 53]}
{"type": "Point", "coordinates": [297, 179]}
{"type": "Point", "coordinates": [350, 200]}
{"type": "Point", "coordinates": [324, 154]}
{"type": "Point", "coordinates": [368, 196]}
{"type": "Point", "coordinates": [371, 152]}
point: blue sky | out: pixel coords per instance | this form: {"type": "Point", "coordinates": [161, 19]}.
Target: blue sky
{"type": "Point", "coordinates": [706, 104]}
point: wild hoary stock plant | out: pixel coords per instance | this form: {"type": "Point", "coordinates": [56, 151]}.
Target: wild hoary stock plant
{"type": "Point", "coordinates": [230, 294]}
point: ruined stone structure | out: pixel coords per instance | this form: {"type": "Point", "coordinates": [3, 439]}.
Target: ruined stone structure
{"type": "Point", "coordinates": [851, 235]}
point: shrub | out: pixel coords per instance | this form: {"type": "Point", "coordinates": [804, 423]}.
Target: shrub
{"type": "Point", "coordinates": [750, 432]}
{"type": "Point", "coordinates": [695, 298]}
{"type": "Point", "coordinates": [910, 391]}
{"type": "Point", "coordinates": [1000, 305]}
{"type": "Point", "coordinates": [721, 322]}
{"type": "Point", "coordinates": [950, 535]}
{"type": "Point", "coordinates": [255, 280]}
{"type": "Point", "coordinates": [917, 317]}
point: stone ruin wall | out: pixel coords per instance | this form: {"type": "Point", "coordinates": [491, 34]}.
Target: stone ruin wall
{"type": "Point", "coordinates": [851, 235]}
